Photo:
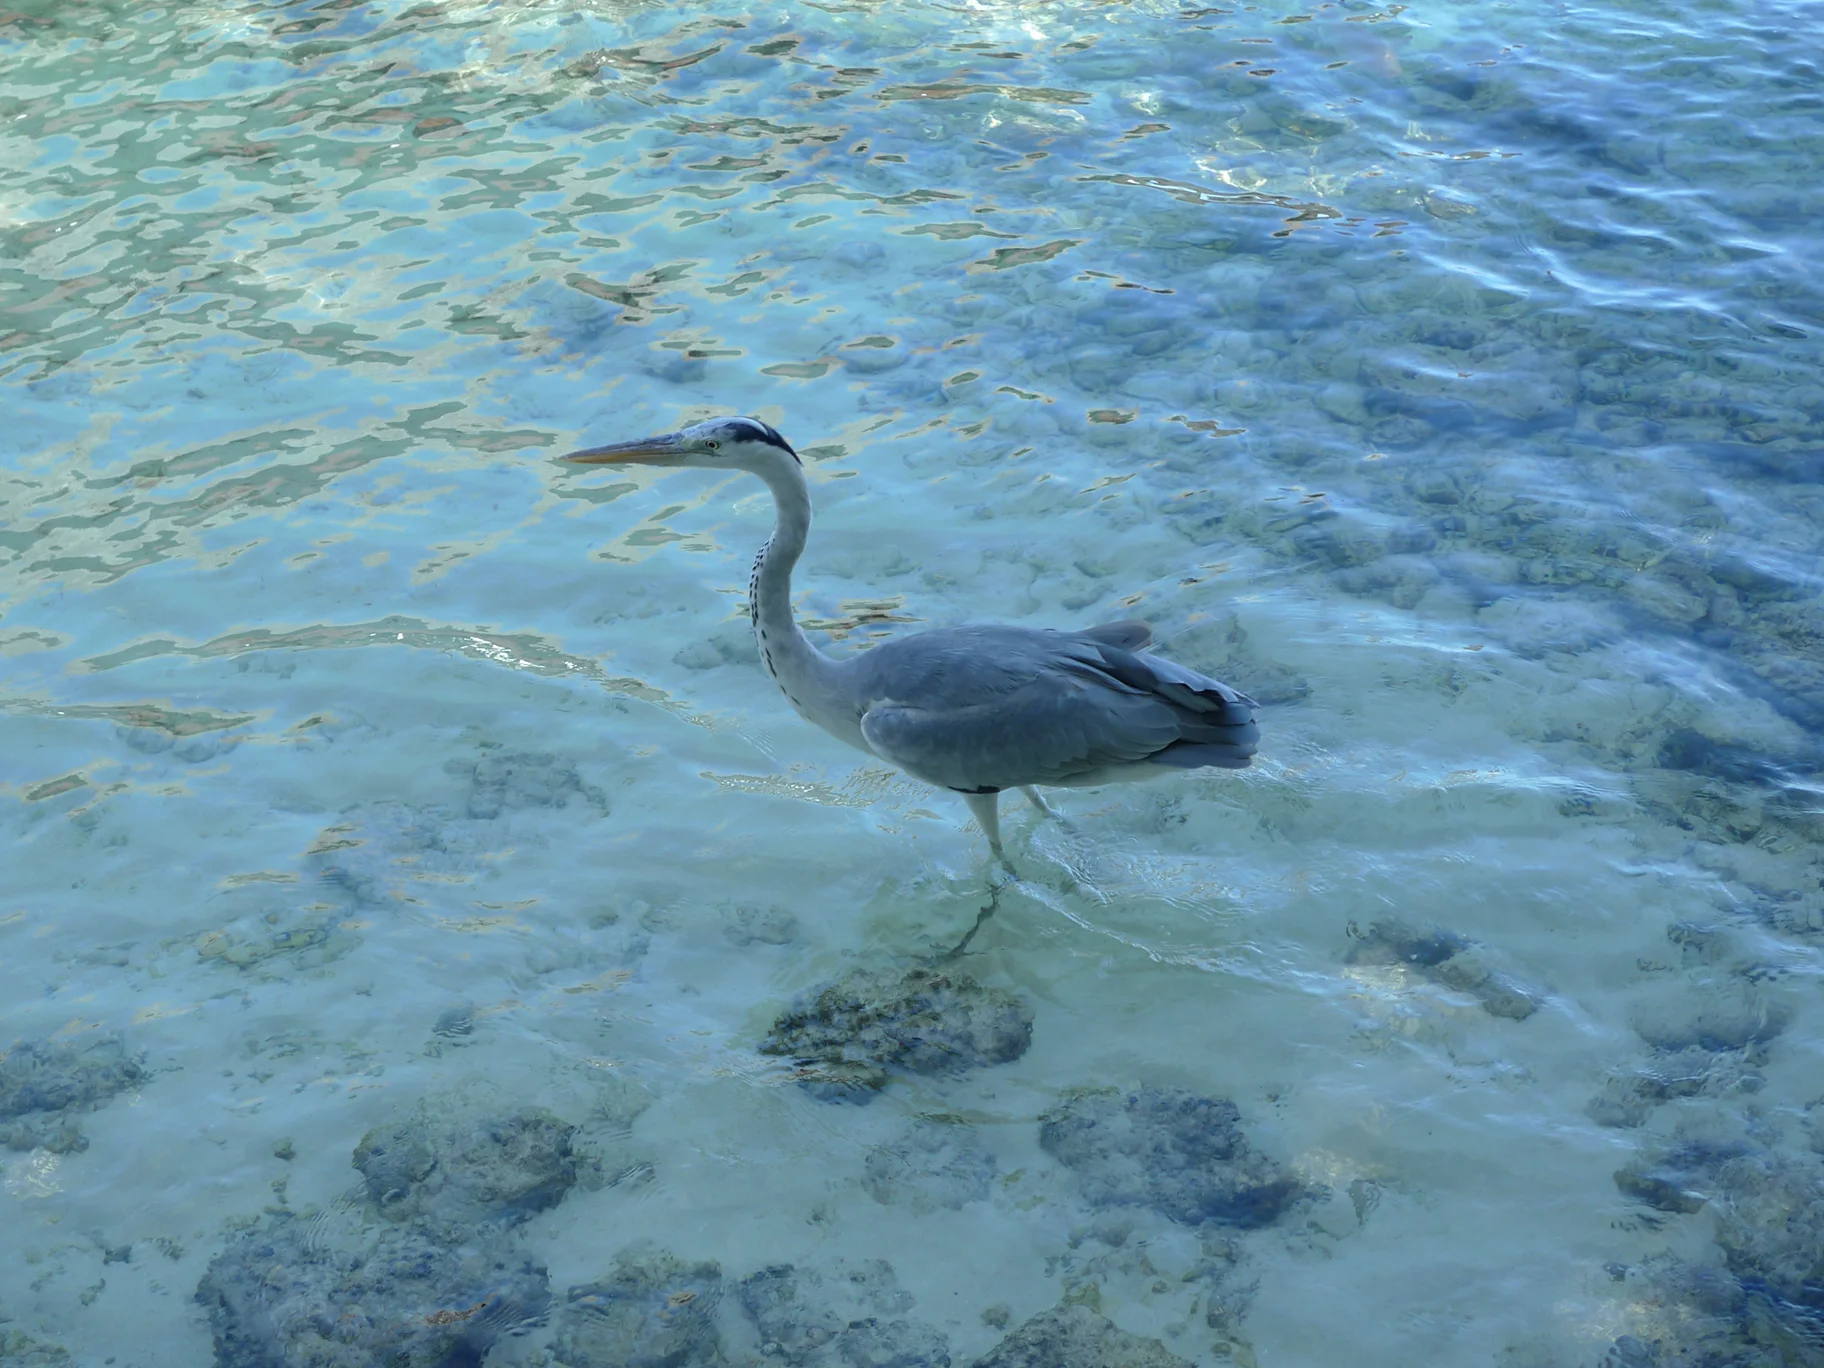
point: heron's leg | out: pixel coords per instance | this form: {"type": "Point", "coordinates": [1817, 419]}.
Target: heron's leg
{"type": "Point", "coordinates": [986, 809]}
{"type": "Point", "coordinates": [1033, 797]}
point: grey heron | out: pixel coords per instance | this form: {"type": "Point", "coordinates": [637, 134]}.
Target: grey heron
{"type": "Point", "coordinates": [974, 709]}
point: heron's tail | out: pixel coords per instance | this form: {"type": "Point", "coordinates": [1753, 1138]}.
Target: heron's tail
{"type": "Point", "coordinates": [1216, 724]}
{"type": "Point", "coordinates": [1221, 731]}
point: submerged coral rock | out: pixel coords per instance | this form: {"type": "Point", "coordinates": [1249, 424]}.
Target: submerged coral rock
{"type": "Point", "coordinates": [852, 1316]}
{"type": "Point", "coordinates": [493, 1170]}
{"type": "Point", "coordinates": [1181, 1154]}
{"type": "Point", "coordinates": [1076, 1337]}
{"type": "Point", "coordinates": [365, 858]}
{"type": "Point", "coordinates": [395, 1160]}
{"type": "Point", "coordinates": [292, 1293]}
{"type": "Point", "coordinates": [1447, 959]}
{"type": "Point", "coordinates": [745, 924]}
{"type": "Point", "coordinates": [303, 940]}
{"type": "Point", "coordinates": [1719, 1017]}
{"type": "Point", "coordinates": [20, 1350]}
{"type": "Point", "coordinates": [1709, 1039]}
{"type": "Point", "coordinates": [1762, 1304]}
{"type": "Point", "coordinates": [934, 1165]}
{"type": "Point", "coordinates": [1628, 1098]}
{"type": "Point", "coordinates": [454, 1022]}
{"type": "Point", "coordinates": [653, 1311]}
{"type": "Point", "coordinates": [1699, 1315]}
{"type": "Point", "coordinates": [1770, 1227]}
{"type": "Point", "coordinates": [894, 1344]}
{"type": "Point", "coordinates": [788, 1328]}
{"type": "Point", "coordinates": [1661, 1186]}
{"type": "Point", "coordinates": [45, 1085]}
{"type": "Point", "coordinates": [730, 644]}
{"type": "Point", "coordinates": [505, 780]}
{"type": "Point", "coordinates": [1686, 749]}
{"type": "Point", "coordinates": [854, 1031]}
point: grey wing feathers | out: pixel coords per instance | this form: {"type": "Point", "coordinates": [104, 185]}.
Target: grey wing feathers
{"type": "Point", "coordinates": [1199, 693]}
{"type": "Point", "coordinates": [1129, 636]}
{"type": "Point", "coordinates": [979, 708]}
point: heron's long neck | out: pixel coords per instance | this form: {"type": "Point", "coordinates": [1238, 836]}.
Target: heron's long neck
{"type": "Point", "coordinates": [804, 672]}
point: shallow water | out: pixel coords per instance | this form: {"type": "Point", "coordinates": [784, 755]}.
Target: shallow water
{"type": "Point", "coordinates": [1444, 376]}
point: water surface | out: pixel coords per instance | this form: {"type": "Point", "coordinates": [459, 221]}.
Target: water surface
{"type": "Point", "coordinates": [1444, 376]}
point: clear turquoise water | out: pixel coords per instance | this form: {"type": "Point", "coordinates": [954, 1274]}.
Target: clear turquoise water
{"type": "Point", "coordinates": [1447, 376]}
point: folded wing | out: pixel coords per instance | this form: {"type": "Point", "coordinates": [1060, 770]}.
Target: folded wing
{"type": "Point", "coordinates": [980, 708]}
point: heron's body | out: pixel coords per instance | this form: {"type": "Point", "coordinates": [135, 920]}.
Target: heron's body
{"type": "Point", "coordinates": [976, 709]}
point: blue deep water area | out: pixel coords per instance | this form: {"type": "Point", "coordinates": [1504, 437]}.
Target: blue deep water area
{"type": "Point", "coordinates": [426, 935]}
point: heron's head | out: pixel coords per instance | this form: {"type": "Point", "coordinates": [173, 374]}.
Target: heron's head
{"type": "Point", "coordinates": [719, 444]}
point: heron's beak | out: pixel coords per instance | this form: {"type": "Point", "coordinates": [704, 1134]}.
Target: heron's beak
{"type": "Point", "coordinates": [667, 449]}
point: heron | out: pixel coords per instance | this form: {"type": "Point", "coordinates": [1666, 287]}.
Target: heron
{"type": "Point", "coordinates": [977, 709]}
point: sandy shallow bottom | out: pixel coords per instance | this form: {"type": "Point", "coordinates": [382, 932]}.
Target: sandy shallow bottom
{"type": "Point", "coordinates": [424, 931]}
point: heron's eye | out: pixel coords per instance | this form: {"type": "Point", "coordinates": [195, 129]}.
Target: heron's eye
{"type": "Point", "coordinates": [712, 445]}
